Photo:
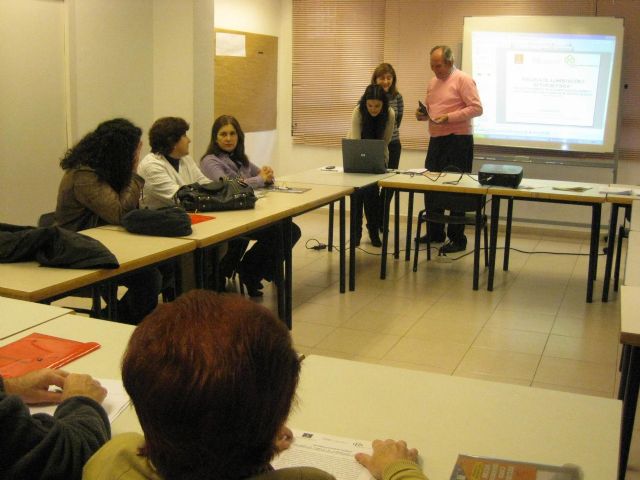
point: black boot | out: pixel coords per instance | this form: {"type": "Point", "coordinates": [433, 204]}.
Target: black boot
{"type": "Point", "coordinates": [374, 235]}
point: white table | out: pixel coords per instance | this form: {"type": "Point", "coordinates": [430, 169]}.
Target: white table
{"type": "Point", "coordinates": [440, 415]}
{"type": "Point", "coordinates": [18, 315]}
{"type": "Point", "coordinates": [276, 208]}
{"type": "Point", "coordinates": [443, 416]}
{"type": "Point", "coordinates": [30, 281]}
{"type": "Point", "coordinates": [549, 191]}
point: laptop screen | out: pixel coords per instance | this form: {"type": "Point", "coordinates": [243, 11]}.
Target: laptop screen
{"type": "Point", "coordinates": [363, 156]}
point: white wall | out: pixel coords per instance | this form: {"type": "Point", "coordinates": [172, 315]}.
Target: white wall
{"type": "Point", "coordinates": [111, 45]}
{"type": "Point", "coordinates": [32, 108]}
{"type": "Point", "coordinates": [183, 66]}
{"type": "Point", "coordinates": [138, 59]}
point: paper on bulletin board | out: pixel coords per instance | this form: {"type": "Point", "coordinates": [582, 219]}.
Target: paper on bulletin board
{"type": "Point", "coordinates": [231, 44]}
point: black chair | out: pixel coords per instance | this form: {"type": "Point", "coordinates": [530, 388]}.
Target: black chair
{"type": "Point", "coordinates": [473, 206]}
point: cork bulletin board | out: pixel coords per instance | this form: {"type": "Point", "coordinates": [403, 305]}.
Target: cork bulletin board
{"type": "Point", "coordinates": [246, 66]}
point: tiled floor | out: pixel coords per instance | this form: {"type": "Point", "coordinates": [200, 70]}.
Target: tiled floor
{"type": "Point", "coordinates": [534, 329]}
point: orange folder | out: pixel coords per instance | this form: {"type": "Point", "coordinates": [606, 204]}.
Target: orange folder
{"type": "Point", "coordinates": [37, 351]}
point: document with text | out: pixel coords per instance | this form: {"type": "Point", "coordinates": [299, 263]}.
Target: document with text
{"type": "Point", "coordinates": [335, 455]}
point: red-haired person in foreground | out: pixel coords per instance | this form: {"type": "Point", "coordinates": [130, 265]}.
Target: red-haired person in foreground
{"type": "Point", "coordinates": [212, 378]}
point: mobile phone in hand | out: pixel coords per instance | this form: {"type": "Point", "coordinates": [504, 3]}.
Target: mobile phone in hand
{"type": "Point", "coordinates": [422, 108]}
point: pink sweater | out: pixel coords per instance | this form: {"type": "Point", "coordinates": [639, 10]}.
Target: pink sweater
{"type": "Point", "coordinates": [457, 96]}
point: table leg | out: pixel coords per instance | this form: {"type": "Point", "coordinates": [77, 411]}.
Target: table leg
{"type": "Point", "coordinates": [354, 201]}
{"type": "Point", "coordinates": [611, 242]}
{"type": "Point", "coordinates": [288, 271]}
{"type": "Point", "coordinates": [111, 297]}
{"type": "Point", "coordinates": [624, 370]}
{"type": "Point", "coordinates": [409, 243]}
{"type": "Point", "coordinates": [280, 275]}
{"type": "Point", "coordinates": [629, 410]}
{"type": "Point", "coordinates": [507, 238]}
{"type": "Point", "coordinates": [493, 239]}
{"type": "Point", "coordinates": [593, 252]}
{"type": "Point", "coordinates": [342, 244]}
{"type": "Point", "coordinates": [330, 234]}
{"type": "Point", "coordinates": [396, 224]}
{"type": "Point", "coordinates": [385, 232]}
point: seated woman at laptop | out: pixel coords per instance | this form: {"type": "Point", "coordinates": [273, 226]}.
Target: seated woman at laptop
{"type": "Point", "coordinates": [225, 157]}
{"type": "Point", "coordinates": [372, 118]}
{"type": "Point", "coordinates": [213, 401]}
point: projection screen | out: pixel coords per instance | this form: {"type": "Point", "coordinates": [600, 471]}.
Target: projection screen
{"type": "Point", "coordinates": [545, 82]}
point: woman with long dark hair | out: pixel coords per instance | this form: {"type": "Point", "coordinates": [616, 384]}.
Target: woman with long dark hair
{"type": "Point", "coordinates": [98, 187]}
{"type": "Point", "coordinates": [226, 157]}
{"type": "Point", "coordinates": [372, 118]}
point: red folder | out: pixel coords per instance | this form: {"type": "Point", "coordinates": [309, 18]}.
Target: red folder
{"type": "Point", "coordinates": [195, 218]}
{"type": "Point", "coordinates": [37, 351]}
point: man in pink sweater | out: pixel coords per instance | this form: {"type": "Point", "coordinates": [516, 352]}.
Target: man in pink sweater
{"type": "Point", "coordinates": [452, 101]}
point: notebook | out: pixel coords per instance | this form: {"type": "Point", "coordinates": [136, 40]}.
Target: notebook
{"type": "Point", "coordinates": [37, 351]}
{"type": "Point", "coordinates": [363, 156]}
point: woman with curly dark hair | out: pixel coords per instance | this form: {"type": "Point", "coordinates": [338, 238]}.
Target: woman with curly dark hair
{"type": "Point", "coordinates": [372, 118]}
{"type": "Point", "coordinates": [98, 187]}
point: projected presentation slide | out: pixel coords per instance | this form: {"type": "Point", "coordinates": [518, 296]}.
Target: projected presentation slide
{"type": "Point", "coordinates": [545, 87]}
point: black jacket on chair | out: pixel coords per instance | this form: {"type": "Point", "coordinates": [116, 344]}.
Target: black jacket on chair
{"type": "Point", "coordinates": [53, 247]}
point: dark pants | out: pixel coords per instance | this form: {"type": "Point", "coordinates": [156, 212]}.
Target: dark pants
{"type": "Point", "coordinates": [260, 262]}
{"type": "Point", "coordinates": [450, 153]}
{"type": "Point", "coordinates": [143, 288]}
{"type": "Point", "coordinates": [372, 203]}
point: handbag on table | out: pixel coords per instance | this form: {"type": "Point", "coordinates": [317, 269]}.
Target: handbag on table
{"type": "Point", "coordinates": [224, 194]}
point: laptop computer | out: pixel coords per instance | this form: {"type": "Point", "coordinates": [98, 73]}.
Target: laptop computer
{"type": "Point", "coordinates": [363, 156]}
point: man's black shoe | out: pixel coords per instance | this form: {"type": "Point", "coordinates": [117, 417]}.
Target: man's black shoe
{"type": "Point", "coordinates": [431, 239]}
{"type": "Point", "coordinates": [453, 247]}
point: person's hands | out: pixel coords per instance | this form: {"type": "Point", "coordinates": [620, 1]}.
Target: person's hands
{"type": "Point", "coordinates": [441, 119]}
{"type": "Point", "coordinates": [421, 116]}
{"type": "Point", "coordinates": [267, 174]}
{"type": "Point", "coordinates": [33, 387]}
{"type": "Point", "coordinates": [81, 385]}
{"type": "Point", "coordinates": [284, 438]}
{"type": "Point", "coordinates": [385, 452]}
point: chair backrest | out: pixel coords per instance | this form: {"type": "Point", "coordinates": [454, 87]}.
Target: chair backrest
{"type": "Point", "coordinates": [47, 219]}
{"type": "Point", "coordinates": [459, 202]}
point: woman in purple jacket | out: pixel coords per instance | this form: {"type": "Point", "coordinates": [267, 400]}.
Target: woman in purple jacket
{"type": "Point", "coordinates": [225, 157]}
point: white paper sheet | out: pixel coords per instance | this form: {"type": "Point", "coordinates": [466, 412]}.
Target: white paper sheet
{"type": "Point", "coordinates": [230, 44]}
{"type": "Point", "coordinates": [332, 454]}
{"type": "Point", "coordinates": [115, 403]}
